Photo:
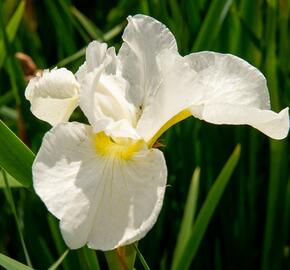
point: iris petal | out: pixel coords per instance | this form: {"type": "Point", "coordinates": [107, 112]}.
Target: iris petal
{"type": "Point", "coordinates": [53, 95]}
{"type": "Point", "coordinates": [144, 38]}
{"type": "Point", "coordinates": [234, 92]}
{"type": "Point", "coordinates": [102, 198]}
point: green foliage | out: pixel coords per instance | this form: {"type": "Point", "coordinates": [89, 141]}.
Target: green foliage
{"type": "Point", "coordinates": [59, 261]}
{"type": "Point", "coordinates": [11, 264]}
{"type": "Point", "coordinates": [192, 241]}
{"type": "Point", "coordinates": [11, 30]}
{"type": "Point", "coordinates": [15, 157]}
{"type": "Point", "coordinates": [204, 223]}
{"type": "Point", "coordinates": [187, 218]}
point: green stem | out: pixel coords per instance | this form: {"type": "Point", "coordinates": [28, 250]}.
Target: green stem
{"type": "Point", "coordinates": [122, 258]}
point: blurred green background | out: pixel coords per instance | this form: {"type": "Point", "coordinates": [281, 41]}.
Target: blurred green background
{"type": "Point", "coordinates": [250, 228]}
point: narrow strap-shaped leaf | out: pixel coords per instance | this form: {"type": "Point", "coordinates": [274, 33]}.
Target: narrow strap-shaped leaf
{"type": "Point", "coordinates": [59, 261]}
{"type": "Point", "coordinates": [71, 58]}
{"type": "Point", "coordinates": [11, 181]}
{"type": "Point", "coordinates": [188, 216]}
{"type": "Point", "coordinates": [141, 258]}
{"type": "Point", "coordinates": [207, 211]}
{"type": "Point", "coordinates": [17, 221]}
{"type": "Point", "coordinates": [87, 24]}
{"type": "Point", "coordinates": [15, 157]}
{"type": "Point", "coordinates": [12, 264]}
{"type": "Point", "coordinates": [11, 29]}
{"type": "Point", "coordinates": [211, 25]}
{"type": "Point", "coordinates": [91, 258]}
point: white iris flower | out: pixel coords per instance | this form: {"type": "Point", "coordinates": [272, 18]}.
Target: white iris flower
{"type": "Point", "coordinates": [104, 181]}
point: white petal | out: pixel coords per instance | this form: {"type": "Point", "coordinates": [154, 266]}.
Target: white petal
{"type": "Point", "coordinates": [174, 94]}
{"type": "Point", "coordinates": [144, 37]}
{"type": "Point", "coordinates": [274, 125]}
{"type": "Point", "coordinates": [103, 101]}
{"type": "Point", "coordinates": [95, 54]}
{"type": "Point", "coordinates": [234, 92]}
{"type": "Point", "coordinates": [101, 200]}
{"type": "Point", "coordinates": [98, 54]}
{"type": "Point", "coordinates": [53, 95]}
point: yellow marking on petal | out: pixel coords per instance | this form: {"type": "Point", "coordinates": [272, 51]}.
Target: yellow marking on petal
{"type": "Point", "coordinates": [124, 149]}
{"type": "Point", "coordinates": [175, 119]}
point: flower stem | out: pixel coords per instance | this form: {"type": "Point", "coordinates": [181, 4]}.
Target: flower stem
{"type": "Point", "coordinates": [122, 258]}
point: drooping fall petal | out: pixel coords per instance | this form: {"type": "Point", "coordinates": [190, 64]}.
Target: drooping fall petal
{"type": "Point", "coordinates": [105, 194]}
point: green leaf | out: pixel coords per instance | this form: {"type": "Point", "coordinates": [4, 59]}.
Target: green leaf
{"type": "Point", "coordinates": [11, 29]}
{"type": "Point", "coordinates": [106, 37]}
{"type": "Point", "coordinates": [188, 217]}
{"type": "Point", "coordinates": [91, 258]}
{"type": "Point", "coordinates": [8, 113]}
{"type": "Point", "coordinates": [15, 157]}
{"type": "Point", "coordinates": [71, 58]}
{"type": "Point", "coordinates": [59, 261]}
{"type": "Point", "coordinates": [212, 23]}
{"type": "Point", "coordinates": [141, 258]}
{"type": "Point", "coordinates": [6, 98]}
{"type": "Point", "coordinates": [207, 211]}
{"type": "Point", "coordinates": [11, 181]}
{"type": "Point", "coordinates": [10, 200]}
{"type": "Point", "coordinates": [87, 24]}
{"type": "Point", "coordinates": [12, 264]}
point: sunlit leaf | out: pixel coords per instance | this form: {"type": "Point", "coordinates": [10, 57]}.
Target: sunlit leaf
{"type": "Point", "coordinates": [206, 212]}
{"type": "Point", "coordinates": [12, 264]}
{"type": "Point", "coordinates": [59, 261]}
{"type": "Point", "coordinates": [15, 157]}
{"type": "Point", "coordinates": [11, 181]}
{"type": "Point", "coordinates": [188, 216]}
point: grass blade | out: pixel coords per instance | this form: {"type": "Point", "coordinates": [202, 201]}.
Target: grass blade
{"type": "Point", "coordinates": [11, 181]}
{"type": "Point", "coordinates": [141, 258]}
{"type": "Point", "coordinates": [11, 29]}
{"type": "Point", "coordinates": [187, 219]}
{"type": "Point", "coordinates": [207, 211]}
{"type": "Point", "coordinates": [59, 261]}
{"type": "Point", "coordinates": [15, 157]}
{"type": "Point", "coordinates": [87, 24]}
{"type": "Point", "coordinates": [12, 264]}
{"type": "Point", "coordinates": [71, 58]}
{"type": "Point", "coordinates": [106, 37]}
{"type": "Point", "coordinates": [212, 23]}
{"type": "Point", "coordinates": [19, 229]}
{"type": "Point", "coordinates": [91, 258]}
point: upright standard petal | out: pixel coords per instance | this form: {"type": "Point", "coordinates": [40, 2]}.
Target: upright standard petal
{"type": "Point", "coordinates": [169, 101]}
{"type": "Point", "coordinates": [53, 95]}
{"type": "Point", "coordinates": [98, 54]}
{"type": "Point", "coordinates": [105, 194]}
{"type": "Point", "coordinates": [234, 92]}
{"type": "Point", "coordinates": [144, 38]}
{"type": "Point", "coordinates": [104, 103]}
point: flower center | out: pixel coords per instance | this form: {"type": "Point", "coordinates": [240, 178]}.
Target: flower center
{"type": "Point", "coordinates": [123, 149]}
